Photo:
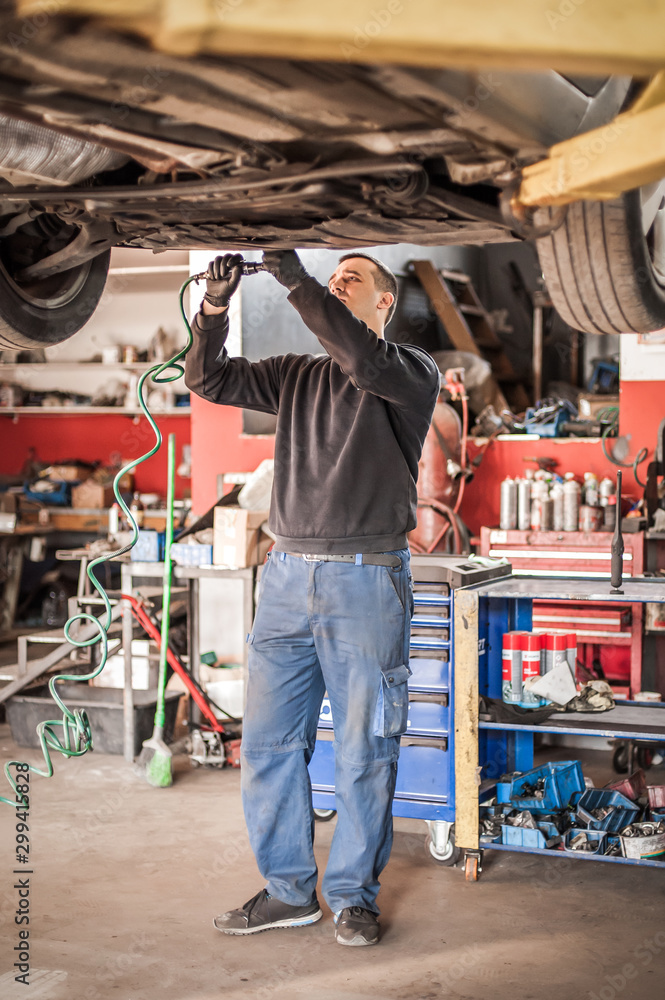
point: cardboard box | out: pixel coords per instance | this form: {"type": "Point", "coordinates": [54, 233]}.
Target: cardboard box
{"type": "Point", "coordinates": [238, 541]}
{"type": "Point", "coordinates": [589, 404]}
{"type": "Point", "coordinates": [68, 473]}
{"type": "Point", "coordinates": [92, 494]}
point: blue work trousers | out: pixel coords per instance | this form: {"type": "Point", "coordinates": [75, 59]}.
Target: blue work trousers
{"type": "Point", "coordinates": [341, 628]}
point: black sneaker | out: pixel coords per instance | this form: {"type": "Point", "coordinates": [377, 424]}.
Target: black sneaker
{"type": "Point", "coordinates": [356, 926]}
{"type": "Point", "coordinates": [263, 912]}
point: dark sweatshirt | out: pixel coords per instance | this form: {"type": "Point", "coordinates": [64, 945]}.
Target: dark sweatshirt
{"type": "Point", "coordinates": [350, 427]}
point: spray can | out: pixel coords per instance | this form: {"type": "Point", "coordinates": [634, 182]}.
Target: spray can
{"type": "Point", "coordinates": [546, 652]}
{"type": "Point", "coordinates": [556, 494]}
{"type": "Point", "coordinates": [571, 653]}
{"type": "Point", "coordinates": [606, 490]}
{"type": "Point", "coordinates": [560, 649]}
{"type": "Point", "coordinates": [610, 512]}
{"type": "Point", "coordinates": [114, 520]}
{"type": "Point", "coordinates": [590, 491]}
{"type": "Point", "coordinates": [511, 668]}
{"type": "Point", "coordinates": [571, 505]}
{"type": "Point", "coordinates": [508, 510]}
{"type": "Point", "coordinates": [546, 514]}
{"type": "Point", "coordinates": [523, 504]}
{"type": "Point", "coordinates": [539, 492]}
{"type": "Point", "coordinates": [591, 518]}
{"type": "Point", "coordinates": [531, 644]}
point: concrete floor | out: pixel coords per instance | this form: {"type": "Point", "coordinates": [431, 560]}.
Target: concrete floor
{"type": "Point", "coordinates": [126, 880]}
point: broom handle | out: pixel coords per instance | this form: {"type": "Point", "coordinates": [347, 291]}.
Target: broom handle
{"type": "Point", "coordinates": [166, 604]}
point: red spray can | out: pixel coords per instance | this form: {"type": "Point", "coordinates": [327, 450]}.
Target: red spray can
{"type": "Point", "coordinates": [511, 668]}
{"type": "Point", "coordinates": [531, 644]}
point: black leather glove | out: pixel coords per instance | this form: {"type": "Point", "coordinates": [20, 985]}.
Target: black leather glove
{"type": "Point", "coordinates": [286, 266]}
{"type": "Point", "coordinates": [225, 273]}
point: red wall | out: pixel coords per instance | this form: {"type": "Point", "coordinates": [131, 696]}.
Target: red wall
{"type": "Point", "coordinates": [219, 445]}
{"type": "Point", "coordinates": [94, 437]}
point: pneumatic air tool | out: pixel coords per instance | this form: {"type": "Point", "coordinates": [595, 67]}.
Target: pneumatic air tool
{"type": "Point", "coordinates": [246, 267]}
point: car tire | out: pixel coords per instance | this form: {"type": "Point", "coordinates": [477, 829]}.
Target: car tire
{"type": "Point", "coordinates": [49, 311]}
{"type": "Point", "coordinates": [598, 265]}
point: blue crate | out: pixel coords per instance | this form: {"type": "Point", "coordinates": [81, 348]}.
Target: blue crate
{"type": "Point", "coordinates": [521, 836]}
{"type": "Point", "coordinates": [562, 780]}
{"type": "Point", "coordinates": [553, 825]}
{"type": "Point", "coordinates": [184, 554]}
{"type": "Point", "coordinates": [597, 837]}
{"type": "Point", "coordinates": [60, 496]}
{"type": "Point", "coordinates": [503, 791]}
{"type": "Point", "coordinates": [624, 811]}
{"type": "Point", "coordinates": [149, 546]}
{"type": "Point", "coordinates": [612, 840]}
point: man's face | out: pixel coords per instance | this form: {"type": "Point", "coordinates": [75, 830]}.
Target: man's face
{"type": "Point", "coordinates": [353, 283]}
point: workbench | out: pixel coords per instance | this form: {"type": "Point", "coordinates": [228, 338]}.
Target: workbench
{"type": "Point", "coordinates": [482, 614]}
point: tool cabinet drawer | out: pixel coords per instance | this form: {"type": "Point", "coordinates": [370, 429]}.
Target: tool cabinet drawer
{"type": "Point", "coordinates": [423, 773]}
{"type": "Point", "coordinates": [429, 675]}
{"type": "Point", "coordinates": [425, 718]}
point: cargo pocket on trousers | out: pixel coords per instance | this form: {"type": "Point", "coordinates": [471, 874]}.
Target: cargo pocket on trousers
{"type": "Point", "coordinates": [392, 704]}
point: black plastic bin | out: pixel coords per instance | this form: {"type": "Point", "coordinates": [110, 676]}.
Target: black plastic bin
{"type": "Point", "coordinates": [104, 708]}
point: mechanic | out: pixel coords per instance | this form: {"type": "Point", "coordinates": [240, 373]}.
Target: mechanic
{"type": "Point", "coordinates": [336, 595]}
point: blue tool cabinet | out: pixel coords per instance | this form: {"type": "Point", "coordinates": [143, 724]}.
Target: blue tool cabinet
{"type": "Point", "coordinates": [426, 770]}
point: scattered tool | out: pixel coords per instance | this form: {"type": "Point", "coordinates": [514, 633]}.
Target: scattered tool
{"type": "Point", "coordinates": [558, 418]}
{"type": "Point", "coordinates": [616, 564]}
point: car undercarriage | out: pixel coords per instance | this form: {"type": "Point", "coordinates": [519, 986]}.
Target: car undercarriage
{"type": "Point", "coordinates": [105, 142]}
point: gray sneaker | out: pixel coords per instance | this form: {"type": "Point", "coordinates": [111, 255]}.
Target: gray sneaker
{"type": "Point", "coordinates": [263, 912]}
{"type": "Point", "coordinates": [356, 926]}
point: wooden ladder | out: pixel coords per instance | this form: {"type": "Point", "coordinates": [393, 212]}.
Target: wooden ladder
{"type": "Point", "coordinates": [470, 327]}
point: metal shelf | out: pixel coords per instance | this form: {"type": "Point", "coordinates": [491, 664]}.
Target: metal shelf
{"type": "Point", "coordinates": [74, 411]}
{"type": "Point", "coordinates": [633, 589]}
{"type": "Point", "coordinates": [571, 855]}
{"type": "Point", "coordinates": [627, 722]}
{"type": "Point", "coordinates": [67, 365]}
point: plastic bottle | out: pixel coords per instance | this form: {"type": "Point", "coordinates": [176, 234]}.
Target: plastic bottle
{"type": "Point", "coordinates": [54, 605]}
{"type": "Point", "coordinates": [590, 490]}
{"type": "Point", "coordinates": [606, 490]}
{"type": "Point", "coordinates": [114, 520]}
{"type": "Point", "coordinates": [137, 509]}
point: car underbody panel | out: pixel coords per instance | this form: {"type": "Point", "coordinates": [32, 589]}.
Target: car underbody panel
{"type": "Point", "coordinates": [240, 152]}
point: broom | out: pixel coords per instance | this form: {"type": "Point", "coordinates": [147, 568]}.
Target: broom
{"type": "Point", "coordinates": [156, 757]}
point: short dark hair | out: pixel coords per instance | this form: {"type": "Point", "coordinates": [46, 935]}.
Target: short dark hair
{"type": "Point", "coordinates": [384, 279]}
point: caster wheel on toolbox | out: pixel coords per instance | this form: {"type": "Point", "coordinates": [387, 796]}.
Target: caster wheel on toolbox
{"type": "Point", "coordinates": [471, 869]}
{"type": "Point", "coordinates": [324, 815]}
{"type": "Point", "coordinates": [620, 759]}
{"type": "Point", "coordinates": [449, 857]}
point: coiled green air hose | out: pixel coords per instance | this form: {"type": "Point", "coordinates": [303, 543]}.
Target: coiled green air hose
{"type": "Point", "coordinates": [76, 736]}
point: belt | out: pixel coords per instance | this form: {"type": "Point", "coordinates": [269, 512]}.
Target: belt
{"type": "Point", "coordinates": [367, 558]}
